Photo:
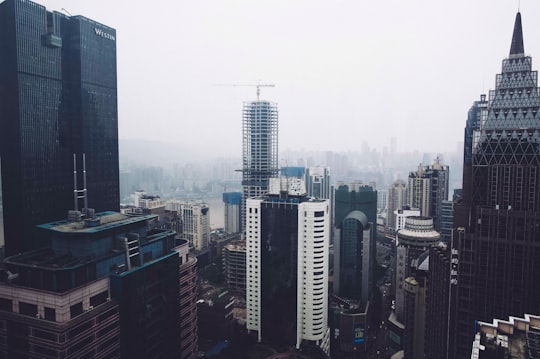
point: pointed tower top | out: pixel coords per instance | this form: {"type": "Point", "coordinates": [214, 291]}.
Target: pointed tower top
{"type": "Point", "coordinates": [517, 38]}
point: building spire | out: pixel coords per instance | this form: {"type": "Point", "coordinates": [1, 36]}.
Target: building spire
{"type": "Point", "coordinates": [517, 38]}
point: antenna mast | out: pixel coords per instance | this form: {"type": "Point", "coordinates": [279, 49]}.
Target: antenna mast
{"type": "Point", "coordinates": [79, 193]}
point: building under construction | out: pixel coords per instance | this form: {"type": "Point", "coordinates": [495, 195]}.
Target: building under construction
{"type": "Point", "coordinates": [260, 149]}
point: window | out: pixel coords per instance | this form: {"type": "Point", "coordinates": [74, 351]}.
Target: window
{"type": "Point", "coordinates": [27, 309]}
{"type": "Point", "coordinates": [50, 314]}
{"type": "Point", "coordinates": [76, 309]}
{"type": "Point", "coordinates": [6, 304]}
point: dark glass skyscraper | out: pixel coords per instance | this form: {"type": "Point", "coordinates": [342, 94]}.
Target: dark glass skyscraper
{"type": "Point", "coordinates": [497, 224]}
{"type": "Point", "coordinates": [58, 98]}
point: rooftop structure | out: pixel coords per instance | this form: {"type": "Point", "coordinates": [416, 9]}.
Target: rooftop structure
{"type": "Point", "coordinates": [515, 338]}
{"type": "Point", "coordinates": [106, 261]}
{"type": "Point", "coordinates": [413, 240]}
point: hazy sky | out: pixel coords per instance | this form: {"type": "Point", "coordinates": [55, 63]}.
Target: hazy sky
{"type": "Point", "coordinates": [345, 71]}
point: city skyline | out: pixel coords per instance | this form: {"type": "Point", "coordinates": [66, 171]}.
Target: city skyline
{"type": "Point", "coordinates": [381, 71]}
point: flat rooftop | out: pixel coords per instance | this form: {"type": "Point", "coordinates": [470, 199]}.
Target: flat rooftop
{"type": "Point", "coordinates": [107, 220]}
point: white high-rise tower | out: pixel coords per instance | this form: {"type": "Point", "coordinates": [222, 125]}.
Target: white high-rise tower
{"type": "Point", "coordinates": [287, 237]}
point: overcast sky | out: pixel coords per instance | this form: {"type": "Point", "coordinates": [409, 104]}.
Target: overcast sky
{"type": "Point", "coordinates": [345, 71]}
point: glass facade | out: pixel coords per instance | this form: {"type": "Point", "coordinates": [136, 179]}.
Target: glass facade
{"type": "Point", "coordinates": [58, 89]}
{"type": "Point", "coordinates": [352, 256]}
{"type": "Point", "coordinates": [279, 253]}
{"type": "Point", "coordinates": [149, 302]}
{"type": "Point", "coordinates": [496, 237]}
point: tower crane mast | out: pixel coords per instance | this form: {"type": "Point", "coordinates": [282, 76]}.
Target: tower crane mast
{"type": "Point", "coordinates": [258, 86]}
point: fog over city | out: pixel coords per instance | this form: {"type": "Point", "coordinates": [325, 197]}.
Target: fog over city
{"type": "Point", "coordinates": [345, 72]}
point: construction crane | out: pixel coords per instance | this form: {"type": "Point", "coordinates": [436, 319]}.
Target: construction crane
{"type": "Point", "coordinates": [258, 86]}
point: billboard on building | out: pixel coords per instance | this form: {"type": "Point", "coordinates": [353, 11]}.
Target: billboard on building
{"type": "Point", "coordinates": [359, 333]}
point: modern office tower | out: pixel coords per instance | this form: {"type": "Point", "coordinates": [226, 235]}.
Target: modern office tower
{"type": "Point", "coordinates": [109, 286]}
{"type": "Point", "coordinates": [477, 114]}
{"type": "Point", "coordinates": [438, 302]}
{"type": "Point", "coordinates": [427, 188]}
{"type": "Point", "coordinates": [353, 258]}
{"type": "Point", "coordinates": [497, 221]}
{"type": "Point", "coordinates": [512, 338]}
{"type": "Point", "coordinates": [318, 182]}
{"type": "Point", "coordinates": [259, 149]}
{"type": "Point", "coordinates": [196, 219]}
{"type": "Point", "coordinates": [352, 284]}
{"type": "Point", "coordinates": [58, 97]}
{"type": "Point", "coordinates": [447, 221]}
{"type": "Point", "coordinates": [232, 211]}
{"type": "Point", "coordinates": [415, 288]}
{"type": "Point", "coordinates": [417, 237]}
{"type": "Point", "coordinates": [188, 301]}
{"type": "Point", "coordinates": [355, 197]}
{"type": "Point", "coordinates": [287, 258]}
{"type": "Point", "coordinates": [397, 199]}
{"type": "Point", "coordinates": [234, 263]}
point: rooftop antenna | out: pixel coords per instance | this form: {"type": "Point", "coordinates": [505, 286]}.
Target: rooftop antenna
{"type": "Point", "coordinates": [67, 12]}
{"type": "Point", "coordinates": [79, 193]}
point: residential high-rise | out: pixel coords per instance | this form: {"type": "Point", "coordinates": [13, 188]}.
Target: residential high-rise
{"type": "Point", "coordinates": [397, 199]}
{"type": "Point", "coordinates": [234, 265]}
{"type": "Point", "coordinates": [496, 224]}
{"type": "Point", "coordinates": [196, 224]}
{"type": "Point", "coordinates": [188, 301]}
{"type": "Point", "coordinates": [259, 149]}
{"type": "Point", "coordinates": [232, 211]}
{"type": "Point", "coordinates": [427, 188]}
{"type": "Point", "coordinates": [287, 237]}
{"type": "Point", "coordinates": [382, 200]}
{"type": "Point", "coordinates": [318, 182]}
{"type": "Point", "coordinates": [58, 96]}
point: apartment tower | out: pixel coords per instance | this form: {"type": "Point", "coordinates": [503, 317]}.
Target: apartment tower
{"type": "Point", "coordinates": [427, 189]}
{"type": "Point", "coordinates": [397, 199]}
